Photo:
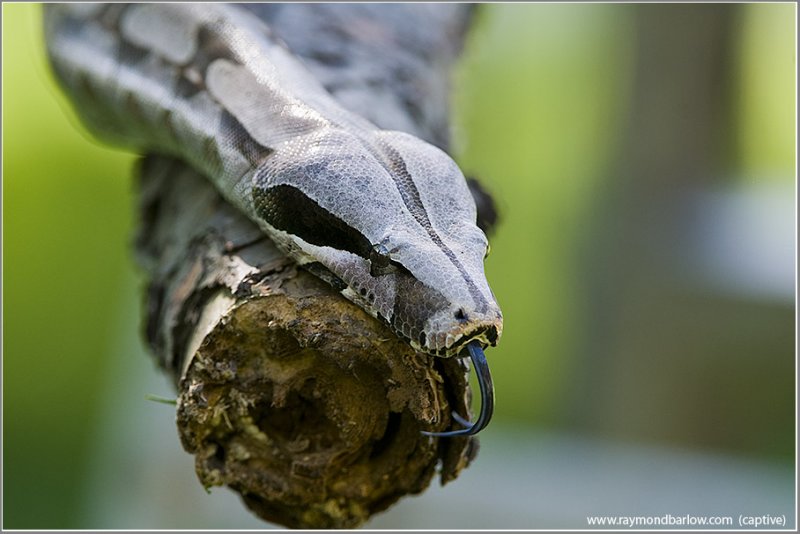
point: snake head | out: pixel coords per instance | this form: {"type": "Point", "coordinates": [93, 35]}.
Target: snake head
{"type": "Point", "coordinates": [390, 221]}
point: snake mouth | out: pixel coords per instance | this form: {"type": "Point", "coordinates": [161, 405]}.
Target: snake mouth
{"type": "Point", "coordinates": [485, 335]}
{"type": "Point", "coordinates": [451, 343]}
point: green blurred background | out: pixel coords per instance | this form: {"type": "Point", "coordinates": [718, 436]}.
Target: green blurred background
{"type": "Point", "coordinates": [644, 162]}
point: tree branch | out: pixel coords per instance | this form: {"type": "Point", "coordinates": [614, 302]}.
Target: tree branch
{"type": "Point", "coordinates": [288, 393]}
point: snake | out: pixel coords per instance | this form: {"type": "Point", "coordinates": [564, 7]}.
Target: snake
{"type": "Point", "coordinates": [384, 217]}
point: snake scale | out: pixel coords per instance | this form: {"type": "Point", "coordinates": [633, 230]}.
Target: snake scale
{"type": "Point", "coordinates": [384, 217]}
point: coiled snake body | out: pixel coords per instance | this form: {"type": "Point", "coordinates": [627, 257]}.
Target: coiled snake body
{"type": "Point", "coordinates": [384, 217]}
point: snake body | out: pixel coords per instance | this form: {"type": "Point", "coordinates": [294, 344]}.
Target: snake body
{"type": "Point", "coordinates": [381, 215]}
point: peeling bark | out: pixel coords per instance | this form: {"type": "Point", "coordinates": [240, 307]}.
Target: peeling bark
{"type": "Point", "coordinates": [288, 393]}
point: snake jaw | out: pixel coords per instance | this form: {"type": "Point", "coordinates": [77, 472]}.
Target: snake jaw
{"type": "Point", "coordinates": [485, 333]}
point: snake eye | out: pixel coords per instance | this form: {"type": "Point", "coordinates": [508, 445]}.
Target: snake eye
{"type": "Point", "coordinates": [379, 261]}
{"type": "Point", "coordinates": [488, 250]}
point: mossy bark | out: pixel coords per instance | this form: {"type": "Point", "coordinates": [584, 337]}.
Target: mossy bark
{"type": "Point", "coordinates": [289, 394]}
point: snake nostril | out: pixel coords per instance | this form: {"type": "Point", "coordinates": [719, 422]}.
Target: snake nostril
{"type": "Point", "coordinates": [461, 315]}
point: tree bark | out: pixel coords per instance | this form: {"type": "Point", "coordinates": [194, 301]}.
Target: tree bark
{"type": "Point", "coordinates": [288, 393]}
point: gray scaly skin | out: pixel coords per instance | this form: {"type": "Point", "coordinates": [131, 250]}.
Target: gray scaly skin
{"type": "Point", "coordinates": [381, 215]}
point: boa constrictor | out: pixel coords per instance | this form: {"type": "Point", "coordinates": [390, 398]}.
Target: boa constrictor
{"type": "Point", "coordinates": [383, 216]}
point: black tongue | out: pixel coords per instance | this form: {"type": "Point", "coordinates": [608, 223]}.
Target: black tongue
{"type": "Point", "coordinates": [481, 367]}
